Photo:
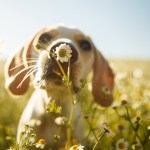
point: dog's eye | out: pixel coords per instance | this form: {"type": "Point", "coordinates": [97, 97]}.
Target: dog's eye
{"type": "Point", "coordinates": [45, 38]}
{"type": "Point", "coordinates": [85, 45]}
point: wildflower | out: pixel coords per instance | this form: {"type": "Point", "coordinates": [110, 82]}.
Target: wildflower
{"type": "Point", "coordinates": [76, 147]}
{"type": "Point", "coordinates": [41, 144]}
{"type": "Point", "coordinates": [122, 144]}
{"type": "Point", "coordinates": [35, 122]}
{"type": "Point", "coordinates": [61, 120]}
{"type": "Point", "coordinates": [26, 129]}
{"type": "Point", "coordinates": [57, 137]}
{"type": "Point", "coordinates": [105, 90]}
{"type": "Point", "coordinates": [124, 103]}
{"type": "Point", "coordinates": [124, 96]}
{"type": "Point", "coordinates": [121, 75]}
{"type": "Point", "coordinates": [53, 107]}
{"type": "Point", "coordinates": [8, 137]}
{"type": "Point", "coordinates": [121, 127]}
{"type": "Point", "coordinates": [107, 130]}
{"type": "Point", "coordinates": [63, 53]}
{"type": "Point", "coordinates": [115, 107]}
{"type": "Point", "coordinates": [10, 148]}
{"type": "Point", "coordinates": [32, 138]}
{"type": "Point", "coordinates": [80, 147]}
{"type": "Point", "coordinates": [136, 105]}
{"type": "Point", "coordinates": [136, 145]}
{"type": "Point", "coordinates": [148, 128]}
{"type": "Point", "coordinates": [86, 117]}
{"type": "Point", "coordinates": [138, 73]}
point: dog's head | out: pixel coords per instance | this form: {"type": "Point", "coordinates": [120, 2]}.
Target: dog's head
{"type": "Point", "coordinates": [84, 58]}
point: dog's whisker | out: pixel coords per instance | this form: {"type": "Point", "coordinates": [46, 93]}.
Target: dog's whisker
{"type": "Point", "coordinates": [47, 41]}
{"type": "Point", "coordinates": [24, 70]}
{"type": "Point", "coordinates": [16, 67]}
{"type": "Point", "coordinates": [31, 71]}
{"type": "Point", "coordinates": [34, 54]}
{"type": "Point", "coordinates": [21, 65]}
{"type": "Point", "coordinates": [32, 58]}
{"type": "Point", "coordinates": [31, 61]}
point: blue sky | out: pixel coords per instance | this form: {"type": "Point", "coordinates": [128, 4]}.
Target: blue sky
{"type": "Point", "coordinates": [119, 28]}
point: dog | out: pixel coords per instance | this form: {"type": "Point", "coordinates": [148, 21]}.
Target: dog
{"type": "Point", "coordinates": [49, 86]}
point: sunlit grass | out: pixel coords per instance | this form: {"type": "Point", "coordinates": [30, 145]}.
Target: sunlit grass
{"type": "Point", "coordinates": [132, 84]}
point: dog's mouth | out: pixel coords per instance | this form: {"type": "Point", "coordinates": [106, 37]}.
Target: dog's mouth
{"type": "Point", "coordinates": [53, 80]}
{"type": "Point", "coordinates": [52, 76]}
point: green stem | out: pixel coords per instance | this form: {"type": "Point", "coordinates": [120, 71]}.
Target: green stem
{"type": "Point", "coordinates": [133, 126]}
{"type": "Point", "coordinates": [93, 113]}
{"type": "Point", "coordinates": [92, 130]}
{"type": "Point", "coordinates": [69, 127]}
{"type": "Point", "coordinates": [68, 73]}
{"type": "Point", "coordinates": [99, 140]}
{"type": "Point", "coordinates": [146, 138]}
{"type": "Point", "coordinates": [59, 65]}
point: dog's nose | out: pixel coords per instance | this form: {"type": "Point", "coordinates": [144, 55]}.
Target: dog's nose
{"type": "Point", "coordinates": [74, 53]}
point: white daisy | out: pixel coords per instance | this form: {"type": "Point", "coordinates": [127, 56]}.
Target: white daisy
{"type": "Point", "coordinates": [32, 139]}
{"type": "Point", "coordinates": [107, 130]}
{"type": "Point", "coordinates": [76, 147]}
{"type": "Point", "coordinates": [124, 103]}
{"type": "Point", "coordinates": [80, 147]}
{"type": "Point", "coordinates": [35, 122]}
{"type": "Point", "coordinates": [106, 90]}
{"type": "Point", "coordinates": [26, 129]}
{"type": "Point", "coordinates": [63, 53]}
{"type": "Point", "coordinates": [61, 120]}
{"type": "Point", "coordinates": [41, 144]}
{"type": "Point", "coordinates": [122, 144]}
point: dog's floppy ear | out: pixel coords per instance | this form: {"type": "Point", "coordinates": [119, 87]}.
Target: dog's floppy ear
{"type": "Point", "coordinates": [16, 67]}
{"type": "Point", "coordinates": [15, 70]}
{"type": "Point", "coordinates": [103, 80]}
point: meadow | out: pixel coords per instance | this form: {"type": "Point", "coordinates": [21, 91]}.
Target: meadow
{"type": "Point", "coordinates": [128, 118]}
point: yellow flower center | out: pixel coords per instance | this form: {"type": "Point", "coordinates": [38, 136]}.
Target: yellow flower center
{"type": "Point", "coordinates": [124, 102]}
{"type": "Point", "coordinates": [62, 52]}
{"type": "Point", "coordinates": [42, 141]}
{"type": "Point", "coordinates": [121, 145]}
{"type": "Point", "coordinates": [74, 147]}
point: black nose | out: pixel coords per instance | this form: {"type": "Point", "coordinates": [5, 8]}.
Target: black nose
{"type": "Point", "coordinates": [74, 53]}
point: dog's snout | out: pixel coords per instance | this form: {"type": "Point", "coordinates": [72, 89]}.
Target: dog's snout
{"type": "Point", "coordinates": [74, 52]}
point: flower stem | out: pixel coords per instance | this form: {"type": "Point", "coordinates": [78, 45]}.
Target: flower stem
{"type": "Point", "coordinates": [68, 73]}
{"type": "Point", "coordinates": [69, 126]}
{"type": "Point", "coordinates": [92, 130]}
{"type": "Point", "coordinates": [99, 139]}
{"type": "Point", "coordinates": [137, 135]}
{"type": "Point", "coordinates": [61, 68]}
{"type": "Point", "coordinates": [59, 65]}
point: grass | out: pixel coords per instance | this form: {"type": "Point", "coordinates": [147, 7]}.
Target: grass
{"type": "Point", "coordinates": [130, 122]}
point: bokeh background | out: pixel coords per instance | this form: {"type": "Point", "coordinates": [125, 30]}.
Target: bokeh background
{"type": "Point", "coordinates": [120, 28]}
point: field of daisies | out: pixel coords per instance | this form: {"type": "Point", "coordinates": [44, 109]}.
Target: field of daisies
{"type": "Point", "coordinates": [123, 126]}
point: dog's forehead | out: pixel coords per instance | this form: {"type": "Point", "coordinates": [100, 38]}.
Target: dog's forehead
{"type": "Point", "coordinates": [64, 30]}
